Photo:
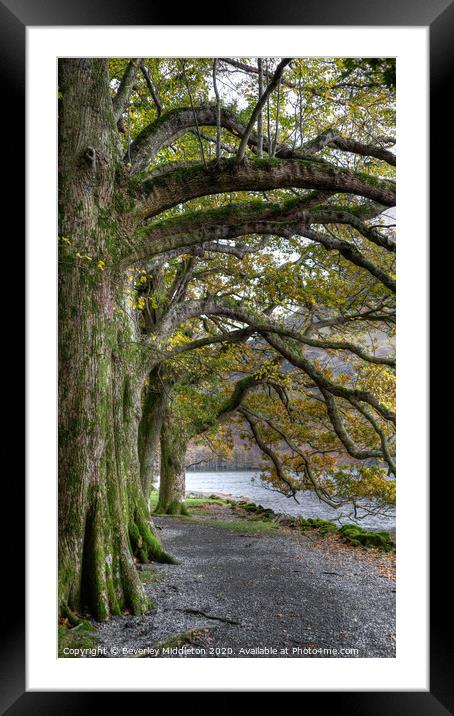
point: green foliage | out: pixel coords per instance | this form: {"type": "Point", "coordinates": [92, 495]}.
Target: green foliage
{"type": "Point", "coordinates": [372, 70]}
{"type": "Point", "coordinates": [303, 280]}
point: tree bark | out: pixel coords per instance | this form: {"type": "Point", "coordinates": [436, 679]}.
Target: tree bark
{"type": "Point", "coordinates": [172, 485]}
{"type": "Point", "coordinates": [165, 190]}
{"type": "Point", "coordinates": [103, 521]}
{"type": "Point", "coordinates": [260, 117]}
{"type": "Point", "coordinates": [154, 405]}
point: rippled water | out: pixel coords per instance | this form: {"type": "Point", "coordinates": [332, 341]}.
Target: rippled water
{"type": "Point", "coordinates": [248, 484]}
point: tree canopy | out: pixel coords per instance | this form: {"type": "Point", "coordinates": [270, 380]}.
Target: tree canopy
{"type": "Point", "coordinates": [290, 287]}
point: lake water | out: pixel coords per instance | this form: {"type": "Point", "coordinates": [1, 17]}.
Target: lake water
{"type": "Point", "coordinates": [248, 484]}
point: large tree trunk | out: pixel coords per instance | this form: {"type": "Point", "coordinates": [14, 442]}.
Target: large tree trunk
{"type": "Point", "coordinates": [103, 520]}
{"type": "Point", "coordinates": [172, 484]}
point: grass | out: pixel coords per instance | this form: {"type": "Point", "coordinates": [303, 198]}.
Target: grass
{"type": "Point", "coordinates": [251, 518]}
{"type": "Point", "coordinates": [82, 636]}
{"type": "Point", "coordinates": [238, 525]}
{"type": "Point", "coordinates": [250, 522]}
{"type": "Point", "coordinates": [154, 500]}
{"type": "Point", "coordinates": [190, 501]}
{"type": "Point", "coordinates": [150, 576]}
{"type": "Point", "coordinates": [252, 526]}
{"type": "Point", "coordinates": [198, 501]}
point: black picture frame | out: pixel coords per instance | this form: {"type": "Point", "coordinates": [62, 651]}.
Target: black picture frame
{"type": "Point", "coordinates": [438, 15]}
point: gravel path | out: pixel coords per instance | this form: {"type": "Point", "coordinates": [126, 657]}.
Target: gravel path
{"type": "Point", "coordinates": [244, 595]}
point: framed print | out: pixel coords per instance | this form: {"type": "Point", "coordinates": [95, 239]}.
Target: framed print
{"type": "Point", "coordinates": [213, 246]}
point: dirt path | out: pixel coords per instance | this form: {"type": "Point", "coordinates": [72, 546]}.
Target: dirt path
{"type": "Point", "coordinates": [235, 591]}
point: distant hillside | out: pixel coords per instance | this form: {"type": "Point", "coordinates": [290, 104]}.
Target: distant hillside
{"type": "Point", "coordinates": [200, 458]}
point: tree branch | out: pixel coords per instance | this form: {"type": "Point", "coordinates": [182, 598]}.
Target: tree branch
{"type": "Point", "coordinates": [180, 185]}
{"type": "Point", "coordinates": [151, 89]}
{"type": "Point", "coordinates": [321, 494]}
{"type": "Point", "coordinates": [334, 216]}
{"type": "Point", "coordinates": [342, 434]}
{"type": "Point", "coordinates": [351, 253]}
{"type": "Point", "coordinates": [231, 222]}
{"type": "Point", "coordinates": [258, 107]}
{"type": "Point", "coordinates": [300, 361]}
{"type": "Point", "coordinates": [124, 90]}
{"type": "Point", "coordinates": [253, 70]}
{"type": "Point", "coordinates": [267, 450]}
{"type": "Point", "coordinates": [173, 124]}
{"type": "Point", "coordinates": [266, 327]}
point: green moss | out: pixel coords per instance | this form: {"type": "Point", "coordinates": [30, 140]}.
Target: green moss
{"type": "Point", "coordinates": [150, 576]}
{"type": "Point", "coordinates": [107, 222]}
{"type": "Point", "coordinates": [94, 590]}
{"type": "Point", "coordinates": [115, 608]}
{"type": "Point", "coordinates": [250, 507]}
{"type": "Point", "coordinates": [135, 181]}
{"type": "Point", "coordinates": [356, 536]}
{"type": "Point", "coordinates": [376, 181]}
{"type": "Point", "coordinates": [350, 529]}
{"type": "Point", "coordinates": [177, 175]}
{"type": "Point", "coordinates": [224, 213]}
{"type": "Point", "coordinates": [266, 514]}
{"type": "Point", "coordinates": [135, 538]}
{"type": "Point", "coordinates": [201, 501]}
{"type": "Point", "coordinates": [124, 203]}
{"type": "Point", "coordinates": [71, 616]}
{"type": "Point", "coordinates": [175, 508]}
{"type": "Point", "coordinates": [82, 636]}
{"type": "Point", "coordinates": [352, 533]}
{"type": "Point", "coordinates": [136, 599]}
{"type": "Point", "coordinates": [265, 162]}
{"type": "Point", "coordinates": [314, 523]}
{"type": "Point", "coordinates": [145, 546]}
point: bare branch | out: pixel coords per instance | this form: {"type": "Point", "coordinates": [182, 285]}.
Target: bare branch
{"type": "Point", "coordinates": [252, 70]}
{"type": "Point", "coordinates": [258, 107]}
{"type": "Point", "coordinates": [151, 89]}
{"type": "Point", "coordinates": [218, 109]}
{"type": "Point", "coordinates": [183, 65]}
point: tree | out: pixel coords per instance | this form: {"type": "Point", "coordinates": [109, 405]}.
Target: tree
{"type": "Point", "coordinates": [185, 420]}
{"type": "Point", "coordinates": [315, 417]}
{"type": "Point", "coordinates": [123, 202]}
{"type": "Point", "coordinates": [204, 368]}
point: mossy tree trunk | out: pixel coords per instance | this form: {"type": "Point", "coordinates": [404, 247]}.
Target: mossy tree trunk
{"type": "Point", "coordinates": [172, 486]}
{"type": "Point", "coordinates": [103, 519]}
{"type": "Point", "coordinates": [175, 438]}
{"type": "Point", "coordinates": [155, 402]}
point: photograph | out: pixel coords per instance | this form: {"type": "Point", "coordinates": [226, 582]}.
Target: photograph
{"type": "Point", "coordinates": [227, 357]}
